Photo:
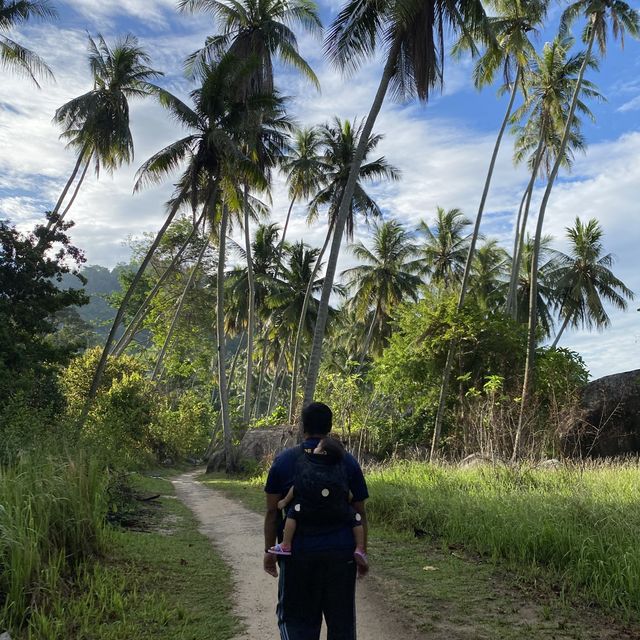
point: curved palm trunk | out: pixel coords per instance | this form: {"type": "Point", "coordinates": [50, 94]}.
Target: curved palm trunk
{"type": "Point", "coordinates": [234, 362]}
{"type": "Point", "coordinates": [276, 379]}
{"type": "Point", "coordinates": [222, 348]}
{"type": "Point", "coordinates": [263, 369]}
{"type": "Point", "coordinates": [250, 325]}
{"type": "Point", "coordinates": [533, 295]}
{"type": "Point", "coordinates": [134, 325]}
{"type": "Point", "coordinates": [343, 211]}
{"type": "Point", "coordinates": [300, 331]}
{"type": "Point", "coordinates": [513, 278]}
{"type": "Point", "coordinates": [72, 177]}
{"type": "Point", "coordinates": [446, 374]}
{"type": "Point", "coordinates": [178, 311]}
{"type": "Point", "coordinates": [565, 324]}
{"type": "Point", "coordinates": [512, 306]}
{"type": "Point", "coordinates": [97, 377]}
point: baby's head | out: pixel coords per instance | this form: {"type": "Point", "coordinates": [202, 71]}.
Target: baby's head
{"type": "Point", "coordinates": [330, 447]}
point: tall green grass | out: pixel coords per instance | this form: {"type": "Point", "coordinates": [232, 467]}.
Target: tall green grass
{"type": "Point", "coordinates": [52, 518]}
{"type": "Point", "coordinates": [581, 526]}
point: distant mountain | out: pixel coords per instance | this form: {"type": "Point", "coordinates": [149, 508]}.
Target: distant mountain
{"type": "Point", "coordinates": [101, 282]}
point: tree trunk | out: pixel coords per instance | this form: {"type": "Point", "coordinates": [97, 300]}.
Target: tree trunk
{"type": "Point", "coordinates": [300, 331]}
{"type": "Point", "coordinates": [246, 416]}
{"type": "Point", "coordinates": [222, 350]}
{"type": "Point", "coordinates": [126, 338]}
{"type": "Point", "coordinates": [565, 324]}
{"type": "Point", "coordinates": [276, 378]}
{"type": "Point", "coordinates": [178, 311]}
{"type": "Point", "coordinates": [343, 211]}
{"type": "Point", "coordinates": [512, 306]}
{"type": "Point", "coordinates": [234, 362]}
{"type": "Point", "coordinates": [444, 385]}
{"type": "Point", "coordinates": [533, 295]}
{"type": "Point", "coordinates": [97, 377]}
{"type": "Point", "coordinates": [263, 368]}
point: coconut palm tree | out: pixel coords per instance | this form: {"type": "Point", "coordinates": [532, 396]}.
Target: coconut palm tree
{"type": "Point", "coordinates": [488, 280]}
{"type": "Point", "coordinates": [341, 141]}
{"type": "Point", "coordinates": [445, 248]}
{"type": "Point", "coordinates": [14, 56]}
{"type": "Point", "coordinates": [96, 124]}
{"type": "Point", "coordinates": [597, 13]}
{"type": "Point", "coordinates": [211, 152]}
{"type": "Point", "coordinates": [387, 278]}
{"type": "Point", "coordinates": [256, 29]}
{"type": "Point", "coordinates": [549, 86]}
{"type": "Point", "coordinates": [413, 34]}
{"type": "Point", "coordinates": [584, 280]}
{"type": "Point", "coordinates": [510, 49]}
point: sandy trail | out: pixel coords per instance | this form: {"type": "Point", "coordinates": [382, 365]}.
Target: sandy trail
{"type": "Point", "coordinates": [237, 533]}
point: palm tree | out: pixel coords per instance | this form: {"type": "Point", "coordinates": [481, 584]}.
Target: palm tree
{"type": "Point", "coordinates": [598, 13]}
{"type": "Point", "coordinates": [584, 279]}
{"type": "Point", "coordinates": [387, 278]}
{"type": "Point", "coordinates": [546, 291]}
{"type": "Point", "coordinates": [413, 33]}
{"type": "Point", "coordinates": [341, 140]}
{"type": "Point", "coordinates": [549, 86]}
{"type": "Point", "coordinates": [257, 30]}
{"type": "Point", "coordinates": [13, 55]}
{"type": "Point", "coordinates": [211, 152]}
{"type": "Point", "coordinates": [509, 49]}
{"type": "Point", "coordinates": [487, 282]}
{"type": "Point", "coordinates": [445, 248]}
{"type": "Point", "coordinates": [96, 124]}
{"type": "Point", "coordinates": [304, 167]}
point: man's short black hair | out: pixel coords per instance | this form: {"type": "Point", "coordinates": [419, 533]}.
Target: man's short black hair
{"type": "Point", "coordinates": [316, 419]}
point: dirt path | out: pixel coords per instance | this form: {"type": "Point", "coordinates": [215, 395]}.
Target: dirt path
{"type": "Point", "coordinates": [237, 534]}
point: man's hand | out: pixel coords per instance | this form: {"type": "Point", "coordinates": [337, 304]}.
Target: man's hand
{"type": "Point", "coordinates": [270, 565]}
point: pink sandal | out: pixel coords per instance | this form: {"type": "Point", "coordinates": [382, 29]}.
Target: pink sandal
{"type": "Point", "coordinates": [361, 558]}
{"type": "Point", "coordinates": [278, 550]}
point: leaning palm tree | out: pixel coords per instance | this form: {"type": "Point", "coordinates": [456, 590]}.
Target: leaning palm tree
{"type": "Point", "coordinates": [14, 56]}
{"type": "Point", "coordinates": [445, 248]}
{"type": "Point", "coordinates": [386, 277]}
{"type": "Point", "coordinates": [96, 124]}
{"type": "Point", "coordinates": [210, 153]}
{"type": "Point", "coordinates": [341, 141]}
{"type": "Point", "coordinates": [413, 33]}
{"type": "Point", "coordinates": [256, 30]}
{"type": "Point", "coordinates": [598, 13]}
{"type": "Point", "coordinates": [584, 280]}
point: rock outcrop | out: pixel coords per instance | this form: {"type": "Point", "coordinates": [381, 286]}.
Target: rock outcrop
{"type": "Point", "coordinates": [609, 420]}
{"type": "Point", "coordinates": [257, 445]}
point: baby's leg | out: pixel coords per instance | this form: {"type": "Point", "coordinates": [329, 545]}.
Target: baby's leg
{"type": "Point", "coordinates": [358, 534]}
{"type": "Point", "coordinates": [289, 531]}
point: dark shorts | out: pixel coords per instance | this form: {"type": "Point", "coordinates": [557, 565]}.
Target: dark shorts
{"type": "Point", "coordinates": [313, 585]}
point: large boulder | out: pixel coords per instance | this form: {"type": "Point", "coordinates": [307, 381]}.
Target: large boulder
{"type": "Point", "coordinates": [609, 420]}
{"type": "Point", "coordinates": [257, 445]}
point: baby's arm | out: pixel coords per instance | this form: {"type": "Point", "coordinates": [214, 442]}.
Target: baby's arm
{"type": "Point", "coordinates": [286, 500]}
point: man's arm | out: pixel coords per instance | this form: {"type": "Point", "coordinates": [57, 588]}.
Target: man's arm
{"type": "Point", "coordinates": [270, 533]}
{"type": "Point", "coordinates": [361, 510]}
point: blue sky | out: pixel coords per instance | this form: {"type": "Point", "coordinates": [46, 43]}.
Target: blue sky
{"type": "Point", "coordinates": [442, 148]}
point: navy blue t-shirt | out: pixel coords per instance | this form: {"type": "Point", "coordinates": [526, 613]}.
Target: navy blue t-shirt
{"type": "Point", "coordinates": [280, 480]}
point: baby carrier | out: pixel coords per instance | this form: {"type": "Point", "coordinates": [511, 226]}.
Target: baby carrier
{"type": "Point", "coordinates": [321, 493]}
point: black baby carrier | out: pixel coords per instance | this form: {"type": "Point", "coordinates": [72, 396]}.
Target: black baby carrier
{"type": "Point", "coordinates": [321, 493]}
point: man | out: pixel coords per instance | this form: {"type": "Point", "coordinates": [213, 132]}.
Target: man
{"type": "Point", "coordinates": [319, 577]}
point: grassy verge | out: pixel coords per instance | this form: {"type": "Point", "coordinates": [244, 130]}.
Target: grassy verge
{"type": "Point", "coordinates": [160, 579]}
{"type": "Point", "coordinates": [444, 585]}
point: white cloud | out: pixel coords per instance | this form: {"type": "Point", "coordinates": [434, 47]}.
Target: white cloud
{"type": "Point", "coordinates": [630, 105]}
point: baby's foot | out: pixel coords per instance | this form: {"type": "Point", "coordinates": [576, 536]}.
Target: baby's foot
{"type": "Point", "coordinates": [361, 560]}
{"type": "Point", "coordinates": [281, 549]}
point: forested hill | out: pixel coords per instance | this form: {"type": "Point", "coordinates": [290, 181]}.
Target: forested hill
{"type": "Point", "coordinates": [101, 283]}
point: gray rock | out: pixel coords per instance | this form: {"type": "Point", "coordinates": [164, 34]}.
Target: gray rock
{"type": "Point", "coordinates": [5, 636]}
{"type": "Point", "coordinates": [608, 423]}
{"type": "Point", "coordinates": [479, 460]}
{"type": "Point", "coordinates": [552, 463]}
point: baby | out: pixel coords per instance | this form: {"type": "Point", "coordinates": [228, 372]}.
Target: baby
{"type": "Point", "coordinates": [314, 496]}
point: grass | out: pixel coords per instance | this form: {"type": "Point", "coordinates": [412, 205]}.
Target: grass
{"type": "Point", "coordinates": [513, 550]}
{"type": "Point", "coordinates": [160, 580]}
